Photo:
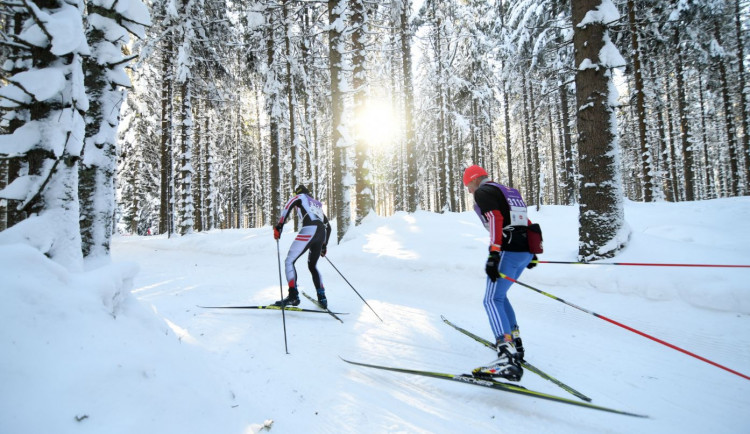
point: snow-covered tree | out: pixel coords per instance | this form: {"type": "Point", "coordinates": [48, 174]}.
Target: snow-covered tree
{"type": "Point", "coordinates": [108, 31]}
{"type": "Point", "coordinates": [46, 95]}
{"type": "Point", "coordinates": [186, 35]}
{"type": "Point", "coordinates": [339, 137]}
{"type": "Point", "coordinates": [603, 231]}
{"type": "Point", "coordinates": [360, 16]}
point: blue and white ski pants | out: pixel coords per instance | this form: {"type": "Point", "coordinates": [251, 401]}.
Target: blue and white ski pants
{"type": "Point", "coordinates": [499, 310]}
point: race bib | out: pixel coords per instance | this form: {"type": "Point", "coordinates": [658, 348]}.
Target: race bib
{"type": "Point", "coordinates": [519, 215]}
{"type": "Point", "coordinates": [316, 209]}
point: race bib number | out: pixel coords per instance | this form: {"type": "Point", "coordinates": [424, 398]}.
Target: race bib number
{"type": "Point", "coordinates": [519, 215]}
{"type": "Point", "coordinates": [316, 209]}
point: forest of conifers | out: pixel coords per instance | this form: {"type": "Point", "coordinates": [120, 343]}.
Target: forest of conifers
{"type": "Point", "coordinates": [375, 105]}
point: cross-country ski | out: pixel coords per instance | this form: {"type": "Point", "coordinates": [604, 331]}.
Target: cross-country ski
{"type": "Point", "coordinates": [274, 307]}
{"type": "Point", "coordinates": [498, 385]}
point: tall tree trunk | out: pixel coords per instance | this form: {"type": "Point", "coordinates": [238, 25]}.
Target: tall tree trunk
{"type": "Point", "coordinates": [744, 106]}
{"type": "Point", "coordinates": [640, 107]}
{"type": "Point", "coordinates": [663, 165]}
{"type": "Point", "coordinates": [266, 216]}
{"type": "Point", "coordinates": [359, 83]}
{"type": "Point", "coordinates": [686, 137]}
{"type": "Point", "coordinates": [508, 143]}
{"type": "Point", "coordinates": [506, 106]}
{"type": "Point", "coordinates": [208, 175]}
{"type": "Point", "coordinates": [293, 142]}
{"type": "Point", "coordinates": [96, 189]}
{"type": "Point", "coordinates": [412, 192]}
{"type": "Point", "coordinates": [10, 169]}
{"type": "Point", "coordinates": [601, 215]}
{"type": "Point", "coordinates": [536, 174]}
{"type": "Point", "coordinates": [273, 125]}
{"type": "Point", "coordinates": [239, 222]}
{"type": "Point", "coordinates": [706, 161]}
{"type": "Point", "coordinates": [553, 153]}
{"type": "Point", "coordinates": [570, 178]}
{"type": "Point", "coordinates": [165, 151]}
{"type": "Point", "coordinates": [342, 202]}
{"type": "Point", "coordinates": [3, 202]}
{"type": "Point", "coordinates": [475, 158]}
{"type": "Point", "coordinates": [450, 155]}
{"type": "Point", "coordinates": [198, 190]}
{"type": "Point", "coordinates": [673, 190]}
{"type": "Point", "coordinates": [442, 199]}
{"type": "Point", "coordinates": [731, 131]}
{"type": "Point", "coordinates": [310, 137]}
{"type": "Point", "coordinates": [527, 159]}
{"type": "Point", "coordinates": [135, 199]}
{"type": "Point", "coordinates": [186, 207]}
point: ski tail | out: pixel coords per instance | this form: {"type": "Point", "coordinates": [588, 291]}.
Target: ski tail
{"type": "Point", "coordinates": [325, 309]}
{"type": "Point", "coordinates": [497, 385]}
{"type": "Point", "coordinates": [524, 363]}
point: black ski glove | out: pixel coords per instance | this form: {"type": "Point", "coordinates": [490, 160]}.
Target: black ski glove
{"type": "Point", "coordinates": [493, 261]}
{"type": "Point", "coordinates": [277, 231]}
{"type": "Point", "coordinates": [323, 250]}
{"type": "Point", "coordinates": [532, 264]}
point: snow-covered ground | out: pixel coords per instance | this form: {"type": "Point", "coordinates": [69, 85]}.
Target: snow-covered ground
{"type": "Point", "coordinates": [125, 349]}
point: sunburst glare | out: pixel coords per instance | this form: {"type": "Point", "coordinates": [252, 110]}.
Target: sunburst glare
{"type": "Point", "coordinates": [377, 124]}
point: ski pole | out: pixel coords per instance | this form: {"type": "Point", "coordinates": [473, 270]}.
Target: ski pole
{"type": "Point", "coordinates": [281, 291]}
{"type": "Point", "coordinates": [642, 264]}
{"type": "Point", "coordinates": [342, 276]}
{"type": "Point", "coordinates": [645, 335]}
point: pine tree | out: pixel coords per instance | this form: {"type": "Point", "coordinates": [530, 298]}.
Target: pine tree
{"type": "Point", "coordinates": [339, 139]}
{"type": "Point", "coordinates": [640, 106]}
{"type": "Point", "coordinates": [105, 78]}
{"type": "Point", "coordinates": [601, 215]}
{"type": "Point", "coordinates": [185, 36]}
{"type": "Point", "coordinates": [405, 35]}
{"type": "Point", "coordinates": [360, 29]}
{"type": "Point", "coordinates": [48, 94]}
{"type": "Point", "coordinates": [166, 81]}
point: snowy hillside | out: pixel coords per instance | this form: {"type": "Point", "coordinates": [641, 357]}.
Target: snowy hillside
{"type": "Point", "coordinates": [125, 348]}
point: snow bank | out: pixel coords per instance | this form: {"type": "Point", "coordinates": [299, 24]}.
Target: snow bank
{"type": "Point", "coordinates": [80, 354]}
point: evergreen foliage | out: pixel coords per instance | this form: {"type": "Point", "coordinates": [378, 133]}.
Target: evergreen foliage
{"type": "Point", "coordinates": [231, 104]}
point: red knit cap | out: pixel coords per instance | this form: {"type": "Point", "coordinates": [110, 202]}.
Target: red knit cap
{"type": "Point", "coordinates": [473, 172]}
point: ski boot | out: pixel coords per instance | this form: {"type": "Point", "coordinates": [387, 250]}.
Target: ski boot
{"type": "Point", "coordinates": [518, 343]}
{"type": "Point", "coordinates": [291, 300]}
{"type": "Point", "coordinates": [322, 298]}
{"type": "Point", "coordinates": [505, 366]}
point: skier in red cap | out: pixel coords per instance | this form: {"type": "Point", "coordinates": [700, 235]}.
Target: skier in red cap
{"type": "Point", "coordinates": [503, 212]}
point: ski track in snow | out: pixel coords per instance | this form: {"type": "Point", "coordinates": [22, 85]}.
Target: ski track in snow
{"type": "Point", "coordinates": [427, 265]}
